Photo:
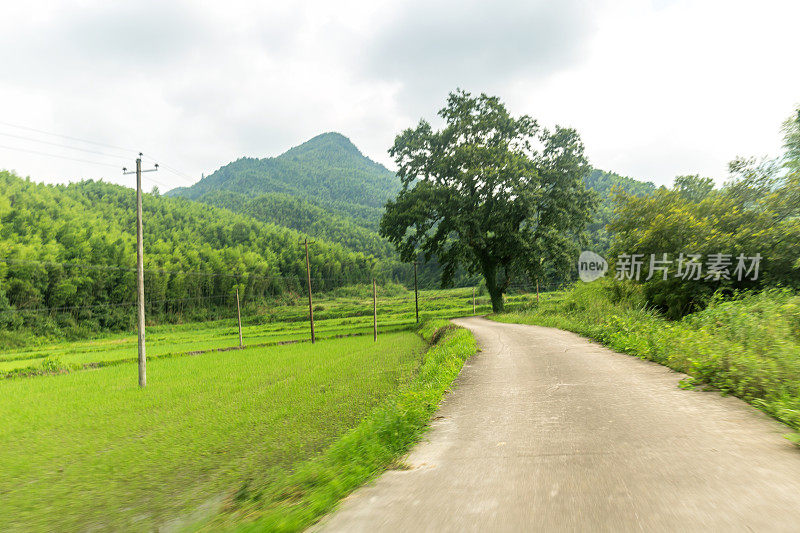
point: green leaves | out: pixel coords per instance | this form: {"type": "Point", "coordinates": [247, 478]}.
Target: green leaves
{"type": "Point", "coordinates": [477, 194]}
{"type": "Point", "coordinates": [757, 211]}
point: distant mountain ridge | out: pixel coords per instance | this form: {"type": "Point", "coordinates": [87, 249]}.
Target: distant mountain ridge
{"type": "Point", "coordinates": [327, 171]}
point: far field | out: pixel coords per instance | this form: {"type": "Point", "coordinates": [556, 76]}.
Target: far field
{"type": "Point", "coordinates": [345, 312]}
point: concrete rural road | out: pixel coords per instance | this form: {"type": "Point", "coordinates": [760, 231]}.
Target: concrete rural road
{"type": "Point", "coordinates": [546, 431]}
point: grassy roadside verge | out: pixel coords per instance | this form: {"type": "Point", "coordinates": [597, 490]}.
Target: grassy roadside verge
{"type": "Point", "coordinates": [372, 447]}
{"type": "Point", "coordinates": [748, 347]}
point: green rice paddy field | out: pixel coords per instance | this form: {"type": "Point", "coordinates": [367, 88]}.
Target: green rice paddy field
{"type": "Point", "coordinates": [86, 449]}
{"type": "Point", "coordinates": [335, 316]}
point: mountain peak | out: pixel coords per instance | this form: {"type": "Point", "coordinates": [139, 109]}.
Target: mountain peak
{"type": "Point", "coordinates": [325, 142]}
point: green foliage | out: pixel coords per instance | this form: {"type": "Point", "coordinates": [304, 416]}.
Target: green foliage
{"type": "Point", "coordinates": [607, 185]}
{"type": "Point", "coordinates": [748, 346]}
{"type": "Point", "coordinates": [73, 248]}
{"type": "Point", "coordinates": [791, 142]}
{"type": "Point", "coordinates": [477, 194]}
{"type": "Point", "coordinates": [757, 212]}
{"type": "Point", "coordinates": [327, 171]}
{"type": "Point", "coordinates": [299, 214]}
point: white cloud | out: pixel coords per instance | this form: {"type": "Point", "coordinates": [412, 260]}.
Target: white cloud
{"type": "Point", "coordinates": [655, 89]}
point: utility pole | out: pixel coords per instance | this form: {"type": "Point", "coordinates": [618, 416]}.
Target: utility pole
{"type": "Point", "coordinates": [239, 317]}
{"type": "Point", "coordinates": [374, 312]}
{"type": "Point", "coordinates": [140, 266]}
{"type": "Point", "coordinates": [310, 304]}
{"type": "Point", "coordinates": [416, 292]}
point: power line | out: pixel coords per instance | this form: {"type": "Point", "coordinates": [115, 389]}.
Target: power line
{"type": "Point", "coordinates": [174, 170]}
{"type": "Point", "coordinates": [59, 156]}
{"type": "Point", "coordinates": [59, 145]}
{"type": "Point", "coordinates": [114, 305]}
{"type": "Point", "coordinates": [96, 266]}
{"type": "Point", "coordinates": [66, 136]}
{"type": "Point", "coordinates": [127, 151]}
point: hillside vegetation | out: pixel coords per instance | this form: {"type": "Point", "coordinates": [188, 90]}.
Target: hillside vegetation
{"type": "Point", "coordinates": [326, 188]}
{"type": "Point", "coordinates": [299, 214]}
{"type": "Point", "coordinates": [608, 186]}
{"type": "Point", "coordinates": [69, 251]}
{"type": "Point", "coordinates": [72, 248]}
{"type": "Point", "coordinates": [327, 171]}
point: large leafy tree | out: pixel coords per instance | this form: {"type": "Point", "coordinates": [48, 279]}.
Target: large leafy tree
{"type": "Point", "coordinates": [497, 195]}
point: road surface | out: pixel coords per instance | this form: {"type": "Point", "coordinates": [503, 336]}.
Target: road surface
{"type": "Point", "coordinates": [546, 431]}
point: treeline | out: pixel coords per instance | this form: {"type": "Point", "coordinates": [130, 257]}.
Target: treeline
{"type": "Point", "coordinates": [299, 214]}
{"type": "Point", "coordinates": [67, 256]}
{"type": "Point", "coordinates": [755, 214]}
{"type": "Point", "coordinates": [607, 185]}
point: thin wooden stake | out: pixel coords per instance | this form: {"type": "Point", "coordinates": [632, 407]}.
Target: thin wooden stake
{"type": "Point", "coordinates": [473, 301]}
{"type": "Point", "coordinates": [374, 312]}
{"type": "Point", "coordinates": [239, 317]}
{"type": "Point", "coordinates": [416, 292]}
{"type": "Point", "coordinates": [310, 303]}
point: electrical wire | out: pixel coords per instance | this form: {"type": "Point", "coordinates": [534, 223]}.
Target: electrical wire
{"type": "Point", "coordinates": [65, 136]}
{"type": "Point", "coordinates": [150, 303]}
{"type": "Point", "coordinates": [95, 266]}
{"type": "Point", "coordinates": [127, 151]}
{"type": "Point", "coordinates": [59, 156]}
{"type": "Point", "coordinates": [59, 145]}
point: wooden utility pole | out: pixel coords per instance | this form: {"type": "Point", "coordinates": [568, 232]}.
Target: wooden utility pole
{"type": "Point", "coordinates": [140, 267]}
{"type": "Point", "coordinates": [374, 312]}
{"type": "Point", "coordinates": [416, 292]}
{"type": "Point", "coordinates": [310, 303]}
{"type": "Point", "coordinates": [473, 301]}
{"type": "Point", "coordinates": [239, 317]}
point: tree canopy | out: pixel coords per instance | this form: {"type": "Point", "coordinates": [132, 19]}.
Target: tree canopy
{"type": "Point", "coordinates": [756, 212]}
{"type": "Point", "coordinates": [496, 194]}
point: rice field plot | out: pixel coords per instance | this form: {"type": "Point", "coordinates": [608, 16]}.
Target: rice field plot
{"type": "Point", "coordinates": [90, 450]}
{"type": "Point", "coordinates": [343, 313]}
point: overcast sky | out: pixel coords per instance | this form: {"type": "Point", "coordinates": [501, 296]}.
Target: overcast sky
{"type": "Point", "coordinates": [656, 88]}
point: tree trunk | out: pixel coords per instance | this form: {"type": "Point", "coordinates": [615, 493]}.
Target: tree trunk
{"type": "Point", "coordinates": [495, 292]}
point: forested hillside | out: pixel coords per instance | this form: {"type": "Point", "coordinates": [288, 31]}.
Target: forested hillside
{"type": "Point", "coordinates": [607, 185]}
{"type": "Point", "coordinates": [327, 171]}
{"type": "Point", "coordinates": [294, 212]}
{"type": "Point", "coordinates": [72, 248]}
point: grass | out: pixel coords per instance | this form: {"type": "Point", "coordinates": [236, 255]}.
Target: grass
{"type": "Point", "coordinates": [267, 437]}
{"type": "Point", "coordinates": [748, 346]}
{"type": "Point", "coordinates": [297, 501]}
{"type": "Point", "coordinates": [346, 311]}
{"type": "Point", "coordinates": [90, 450]}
